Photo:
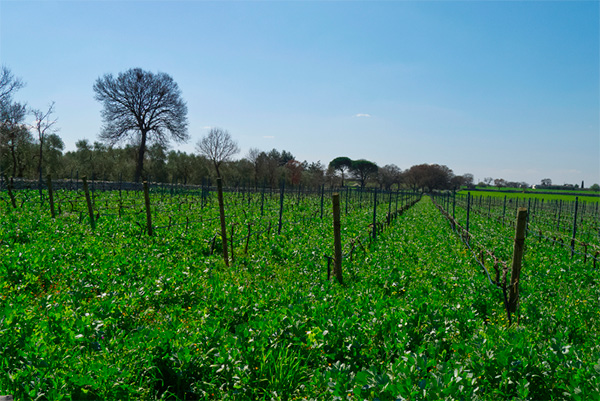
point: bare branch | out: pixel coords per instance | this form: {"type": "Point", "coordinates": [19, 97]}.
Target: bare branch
{"type": "Point", "coordinates": [218, 147]}
{"type": "Point", "coordinates": [141, 105]}
{"type": "Point", "coordinates": [8, 84]}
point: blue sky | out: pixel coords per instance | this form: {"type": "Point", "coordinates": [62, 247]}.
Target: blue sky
{"type": "Point", "coordinates": [501, 89]}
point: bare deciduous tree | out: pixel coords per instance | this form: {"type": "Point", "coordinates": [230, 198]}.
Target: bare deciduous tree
{"type": "Point", "coordinates": [43, 125]}
{"type": "Point", "coordinates": [142, 106]}
{"type": "Point", "coordinates": [389, 175]}
{"type": "Point", "coordinates": [253, 157]}
{"type": "Point", "coordinates": [218, 147]}
{"type": "Point", "coordinates": [8, 84]}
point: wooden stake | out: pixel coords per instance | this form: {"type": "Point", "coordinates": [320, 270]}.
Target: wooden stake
{"type": "Point", "coordinates": [9, 185]}
{"type": "Point", "coordinates": [248, 238]}
{"type": "Point", "coordinates": [281, 195]}
{"type": "Point", "coordinates": [50, 194]}
{"type": "Point", "coordinates": [231, 243]}
{"type": "Point", "coordinates": [468, 215]}
{"type": "Point", "coordinates": [148, 212]}
{"type": "Point", "coordinates": [222, 215]}
{"type": "Point", "coordinates": [337, 238]}
{"type": "Point", "coordinates": [89, 202]}
{"type": "Point", "coordinates": [322, 198]}
{"type": "Point", "coordinates": [574, 227]}
{"type": "Point", "coordinates": [374, 235]}
{"type": "Point", "coordinates": [513, 298]}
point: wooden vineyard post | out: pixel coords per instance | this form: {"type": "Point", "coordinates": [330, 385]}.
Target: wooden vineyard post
{"type": "Point", "coordinates": [231, 243]}
{"type": "Point", "coordinates": [513, 297]}
{"type": "Point", "coordinates": [574, 227]}
{"type": "Point", "coordinates": [262, 201]}
{"type": "Point", "coordinates": [528, 214]}
{"type": "Point", "coordinates": [281, 195]}
{"type": "Point", "coordinates": [50, 194]}
{"type": "Point", "coordinates": [9, 185]}
{"type": "Point", "coordinates": [389, 215]}
{"type": "Point", "coordinates": [337, 238]}
{"type": "Point", "coordinates": [248, 238]}
{"type": "Point", "coordinates": [375, 215]}
{"type": "Point", "coordinates": [222, 215]}
{"type": "Point", "coordinates": [89, 202]}
{"type": "Point", "coordinates": [347, 194]}
{"type": "Point", "coordinates": [148, 213]}
{"type": "Point", "coordinates": [558, 218]}
{"type": "Point", "coordinates": [453, 209]}
{"type": "Point", "coordinates": [322, 196]}
{"type": "Point", "coordinates": [468, 215]}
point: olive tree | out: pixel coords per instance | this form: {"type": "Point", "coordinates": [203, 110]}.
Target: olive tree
{"type": "Point", "coordinates": [141, 106]}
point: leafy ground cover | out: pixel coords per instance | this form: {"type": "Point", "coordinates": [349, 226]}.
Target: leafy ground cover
{"type": "Point", "coordinates": [112, 314]}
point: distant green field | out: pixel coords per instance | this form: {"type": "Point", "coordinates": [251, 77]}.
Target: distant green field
{"type": "Point", "coordinates": [533, 195]}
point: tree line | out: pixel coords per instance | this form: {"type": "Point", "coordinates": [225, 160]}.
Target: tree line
{"type": "Point", "coordinates": [142, 113]}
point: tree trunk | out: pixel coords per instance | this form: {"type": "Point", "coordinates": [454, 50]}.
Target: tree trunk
{"type": "Point", "coordinates": [140, 161]}
{"type": "Point", "coordinates": [14, 159]}
{"type": "Point", "coordinates": [40, 162]}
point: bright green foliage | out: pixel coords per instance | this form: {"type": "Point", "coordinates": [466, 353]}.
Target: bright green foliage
{"type": "Point", "coordinates": [115, 314]}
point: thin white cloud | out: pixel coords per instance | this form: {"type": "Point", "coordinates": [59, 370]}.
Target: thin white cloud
{"type": "Point", "coordinates": [362, 115]}
{"type": "Point", "coordinates": [268, 136]}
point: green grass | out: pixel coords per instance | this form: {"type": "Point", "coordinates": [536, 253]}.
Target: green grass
{"type": "Point", "coordinates": [534, 195]}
